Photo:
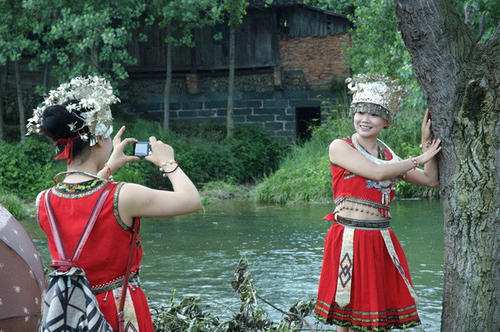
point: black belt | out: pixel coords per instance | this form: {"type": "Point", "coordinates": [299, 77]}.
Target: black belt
{"type": "Point", "coordinates": [385, 223]}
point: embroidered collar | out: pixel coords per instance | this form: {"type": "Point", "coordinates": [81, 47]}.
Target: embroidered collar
{"type": "Point", "coordinates": [77, 190]}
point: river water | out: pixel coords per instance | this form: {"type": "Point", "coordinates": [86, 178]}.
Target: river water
{"type": "Point", "coordinates": [196, 254]}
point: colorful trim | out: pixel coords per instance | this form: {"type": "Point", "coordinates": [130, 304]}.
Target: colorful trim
{"type": "Point", "coordinates": [364, 224]}
{"type": "Point", "coordinates": [78, 190]}
{"type": "Point", "coordinates": [395, 260]}
{"type": "Point", "coordinates": [392, 318]}
{"type": "Point", "coordinates": [386, 327]}
{"type": "Point", "coordinates": [346, 264]}
{"type": "Point", "coordinates": [358, 312]}
{"type": "Point", "coordinates": [117, 282]}
{"type": "Point", "coordinates": [356, 200]}
{"type": "Point", "coordinates": [116, 212]}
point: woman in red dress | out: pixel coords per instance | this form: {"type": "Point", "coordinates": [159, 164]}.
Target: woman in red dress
{"type": "Point", "coordinates": [365, 282]}
{"type": "Point", "coordinates": [77, 118]}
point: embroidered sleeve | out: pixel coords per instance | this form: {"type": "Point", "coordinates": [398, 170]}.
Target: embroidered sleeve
{"type": "Point", "coordinates": [115, 207]}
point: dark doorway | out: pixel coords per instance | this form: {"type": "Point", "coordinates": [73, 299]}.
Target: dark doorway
{"type": "Point", "coordinates": [306, 119]}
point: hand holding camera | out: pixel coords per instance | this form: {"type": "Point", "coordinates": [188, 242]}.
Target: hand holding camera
{"type": "Point", "coordinates": [118, 158]}
{"type": "Point", "coordinates": [161, 154]}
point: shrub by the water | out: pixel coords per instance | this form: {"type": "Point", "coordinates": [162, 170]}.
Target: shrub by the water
{"type": "Point", "coordinates": [28, 167]}
{"type": "Point", "coordinates": [304, 174]}
{"type": "Point", "coordinates": [14, 205]}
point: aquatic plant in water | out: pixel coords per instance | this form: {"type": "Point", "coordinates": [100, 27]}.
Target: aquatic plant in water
{"type": "Point", "coordinates": [189, 315]}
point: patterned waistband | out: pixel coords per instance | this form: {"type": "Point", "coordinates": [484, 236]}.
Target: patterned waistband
{"type": "Point", "coordinates": [358, 223]}
{"type": "Point", "coordinates": [115, 283]}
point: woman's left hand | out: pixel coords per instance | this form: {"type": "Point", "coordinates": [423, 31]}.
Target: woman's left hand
{"type": "Point", "coordinates": [426, 134]}
{"type": "Point", "coordinates": [118, 158]}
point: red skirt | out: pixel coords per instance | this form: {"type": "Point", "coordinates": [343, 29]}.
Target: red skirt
{"type": "Point", "coordinates": [379, 298]}
{"type": "Point", "coordinates": [108, 305]}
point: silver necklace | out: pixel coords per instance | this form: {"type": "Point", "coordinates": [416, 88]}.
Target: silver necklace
{"type": "Point", "coordinates": [371, 157]}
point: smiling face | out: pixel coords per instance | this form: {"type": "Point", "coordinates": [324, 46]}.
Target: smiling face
{"type": "Point", "coordinates": [368, 125]}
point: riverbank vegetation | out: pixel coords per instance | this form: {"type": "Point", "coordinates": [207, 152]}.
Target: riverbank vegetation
{"type": "Point", "coordinates": [220, 166]}
{"type": "Point", "coordinates": [188, 314]}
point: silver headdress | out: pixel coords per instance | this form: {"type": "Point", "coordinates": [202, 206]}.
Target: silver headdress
{"type": "Point", "coordinates": [378, 90]}
{"type": "Point", "coordinates": [93, 95]}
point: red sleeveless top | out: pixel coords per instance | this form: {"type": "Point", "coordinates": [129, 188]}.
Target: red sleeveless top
{"type": "Point", "coordinates": [104, 256]}
{"type": "Point", "coordinates": [347, 186]}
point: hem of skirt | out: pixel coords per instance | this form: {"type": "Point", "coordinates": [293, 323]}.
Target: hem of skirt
{"type": "Point", "coordinates": [351, 325]}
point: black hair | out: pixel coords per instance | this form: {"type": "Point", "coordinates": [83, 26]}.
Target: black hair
{"type": "Point", "coordinates": [55, 125]}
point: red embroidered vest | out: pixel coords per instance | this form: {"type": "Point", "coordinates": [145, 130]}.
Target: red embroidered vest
{"type": "Point", "coordinates": [347, 186]}
{"type": "Point", "coordinates": [104, 256]}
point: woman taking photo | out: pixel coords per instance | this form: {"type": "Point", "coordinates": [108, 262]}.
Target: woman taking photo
{"type": "Point", "coordinates": [92, 222]}
{"type": "Point", "coordinates": [365, 282]}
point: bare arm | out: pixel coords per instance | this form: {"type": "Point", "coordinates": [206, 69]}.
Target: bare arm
{"type": "Point", "coordinates": [140, 201]}
{"type": "Point", "coordinates": [429, 176]}
{"type": "Point", "coordinates": [345, 156]}
{"type": "Point", "coordinates": [135, 200]}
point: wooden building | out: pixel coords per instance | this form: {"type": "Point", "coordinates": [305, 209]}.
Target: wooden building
{"type": "Point", "coordinates": [289, 57]}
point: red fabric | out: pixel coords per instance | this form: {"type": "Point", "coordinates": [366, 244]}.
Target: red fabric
{"type": "Point", "coordinates": [68, 149]}
{"type": "Point", "coordinates": [347, 184]}
{"type": "Point", "coordinates": [104, 256]}
{"type": "Point", "coordinates": [379, 296]}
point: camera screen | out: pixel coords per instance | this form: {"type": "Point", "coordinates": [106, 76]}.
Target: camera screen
{"type": "Point", "coordinates": [141, 149]}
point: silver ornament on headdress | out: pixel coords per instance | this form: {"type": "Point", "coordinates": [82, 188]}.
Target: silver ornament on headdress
{"type": "Point", "coordinates": [378, 90]}
{"type": "Point", "coordinates": [93, 94]}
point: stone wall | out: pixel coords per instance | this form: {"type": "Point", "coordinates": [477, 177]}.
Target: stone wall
{"type": "Point", "coordinates": [257, 102]}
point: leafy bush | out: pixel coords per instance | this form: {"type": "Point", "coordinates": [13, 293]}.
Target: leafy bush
{"type": "Point", "coordinates": [15, 206]}
{"type": "Point", "coordinates": [28, 167]}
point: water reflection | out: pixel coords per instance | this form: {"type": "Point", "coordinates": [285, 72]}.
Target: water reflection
{"type": "Point", "coordinates": [195, 255]}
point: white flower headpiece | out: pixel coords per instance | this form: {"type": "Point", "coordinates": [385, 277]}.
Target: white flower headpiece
{"type": "Point", "coordinates": [92, 94]}
{"type": "Point", "coordinates": [376, 89]}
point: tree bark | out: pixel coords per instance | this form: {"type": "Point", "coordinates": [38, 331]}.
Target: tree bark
{"type": "Point", "coordinates": [22, 117]}
{"type": "Point", "coordinates": [166, 91]}
{"type": "Point", "coordinates": [460, 79]}
{"type": "Point", "coordinates": [46, 76]}
{"type": "Point", "coordinates": [230, 92]}
{"type": "Point", "coordinates": [3, 84]}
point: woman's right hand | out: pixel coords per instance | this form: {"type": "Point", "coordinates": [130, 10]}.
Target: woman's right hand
{"type": "Point", "coordinates": [160, 152]}
{"type": "Point", "coordinates": [431, 151]}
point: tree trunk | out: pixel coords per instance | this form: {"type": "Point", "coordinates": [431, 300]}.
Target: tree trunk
{"type": "Point", "coordinates": [22, 117]}
{"type": "Point", "coordinates": [3, 84]}
{"type": "Point", "coordinates": [45, 77]}
{"type": "Point", "coordinates": [230, 92]}
{"type": "Point", "coordinates": [460, 79]}
{"type": "Point", "coordinates": [166, 91]}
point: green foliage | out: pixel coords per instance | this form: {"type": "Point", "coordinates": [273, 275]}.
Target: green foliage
{"type": "Point", "coordinates": [189, 315]}
{"type": "Point", "coordinates": [205, 158]}
{"type": "Point", "coordinates": [15, 26]}
{"type": "Point", "coordinates": [235, 11]}
{"type": "Point", "coordinates": [84, 37]}
{"type": "Point", "coordinates": [15, 206]}
{"type": "Point", "coordinates": [220, 190]}
{"type": "Point", "coordinates": [185, 315]}
{"type": "Point", "coordinates": [182, 17]}
{"type": "Point", "coordinates": [26, 168]}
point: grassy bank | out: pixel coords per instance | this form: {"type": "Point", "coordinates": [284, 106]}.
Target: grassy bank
{"type": "Point", "coordinates": [304, 174]}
